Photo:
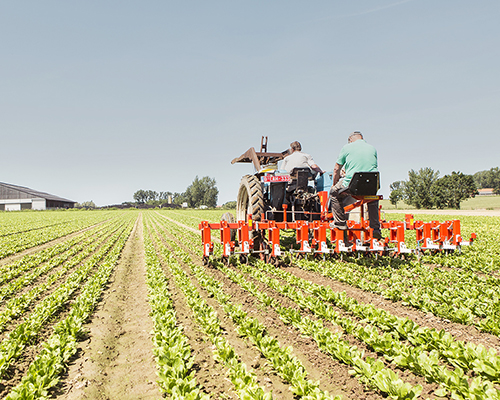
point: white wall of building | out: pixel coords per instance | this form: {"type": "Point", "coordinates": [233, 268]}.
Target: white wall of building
{"type": "Point", "coordinates": [38, 204]}
{"type": "Point", "coordinates": [15, 204]}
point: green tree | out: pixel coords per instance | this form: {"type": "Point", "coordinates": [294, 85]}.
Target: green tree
{"type": "Point", "coordinates": [230, 205]}
{"type": "Point", "coordinates": [450, 190]}
{"type": "Point", "coordinates": [140, 196]}
{"type": "Point", "coordinates": [152, 196]}
{"type": "Point", "coordinates": [397, 192]}
{"type": "Point", "coordinates": [86, 204]}
{"type": "Point", "coordinates": [488, 179]}
{"type": "Point", "coordinates": [179, 198]}
{"type": "Point", "coordinates": [417, 188]}
{"type": "Point", "coordinates": [202, 192]}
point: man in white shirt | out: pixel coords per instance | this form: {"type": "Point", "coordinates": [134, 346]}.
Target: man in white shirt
{"type": "Point", "coordinates": [298, 159]}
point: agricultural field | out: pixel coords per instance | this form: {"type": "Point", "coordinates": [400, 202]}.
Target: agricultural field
{"type": "Point", "coordinates": [118, 305]}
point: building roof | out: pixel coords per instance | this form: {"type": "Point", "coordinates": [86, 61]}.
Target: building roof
{"type": "Point", "coordinates": [486, 190]}
{"type": "Point", "coordinates": [35, 193]}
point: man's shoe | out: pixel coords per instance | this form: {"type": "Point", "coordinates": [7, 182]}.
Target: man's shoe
{"type": "Point", "coordinates": [377, 235]}
{"type": "Point", "coordinates": [333, 225]}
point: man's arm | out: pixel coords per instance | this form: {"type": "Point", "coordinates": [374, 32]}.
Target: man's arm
{"type": "Point", "coordinates": [316, 168]}
{"type": "Point", "coordinates": [336, 173]}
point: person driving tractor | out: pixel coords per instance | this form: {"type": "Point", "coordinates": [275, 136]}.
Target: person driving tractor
{"type": "Point", "coordinates": [298, 159]}
{"type": "Point", "coordinates": [356, 156]}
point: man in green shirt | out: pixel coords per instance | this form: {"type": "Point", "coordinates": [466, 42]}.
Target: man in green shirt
{"type": "Point", "coordinates": [355, 156]}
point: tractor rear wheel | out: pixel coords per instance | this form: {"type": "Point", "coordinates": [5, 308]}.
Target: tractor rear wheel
{"type": "Point", "coordinates": [250, 200]}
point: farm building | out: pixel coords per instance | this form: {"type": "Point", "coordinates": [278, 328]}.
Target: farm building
{"type": "Point", "coordinates": [15, 198]}
{"type": "Point", "coordinates": [486, 192]}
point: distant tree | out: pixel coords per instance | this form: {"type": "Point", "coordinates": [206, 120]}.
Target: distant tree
{"type": "Point", "coordinates": [229, 205]}
{"type": "Point", "coordinates": [450, 190]}
{"type": "Point", "coordinates": [417, 188]}
{"type": "Point", "coordinates": [151, 195]}
{"type": "Point", "coordinates": [140, 196]}
{"type": "Point", "coordinates": [86, 204]}
{"type": "Point", "coordinates": [164, 195]}
{"type": "Point", "coordinates": [179, 198]}
{"type": "Point", "coordinates": [397, 192]}
{"type": "Point", "coordinates": [202, 192]}
{"type": "Point", "coordinates": [488, 179]}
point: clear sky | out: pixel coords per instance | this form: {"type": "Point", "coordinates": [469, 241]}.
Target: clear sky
{"type": "Point", "coordinates": [99, 99]}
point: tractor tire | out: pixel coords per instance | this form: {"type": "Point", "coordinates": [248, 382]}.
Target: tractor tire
{"type": "Point", "coordinates": [250, 199]}
{"type": "Point", "coordinates": [228, 217]}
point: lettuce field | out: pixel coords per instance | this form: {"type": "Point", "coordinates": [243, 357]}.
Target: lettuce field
{"type": "Point", "coordinates": [119, 305]}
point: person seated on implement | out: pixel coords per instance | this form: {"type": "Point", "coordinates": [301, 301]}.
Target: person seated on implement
{"type": "Point", "coordinates": [298, 159]}
{"type": "Point", "coordinates": [355, 156]}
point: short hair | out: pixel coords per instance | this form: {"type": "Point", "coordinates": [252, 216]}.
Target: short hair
{"type": "Point", "coordinates": [355, 133]}
{"type": "Point", "coordinates": [295, 146]}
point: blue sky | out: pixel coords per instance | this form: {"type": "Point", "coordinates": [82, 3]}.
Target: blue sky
{"type": "Point", "coordinates": [101, 98]}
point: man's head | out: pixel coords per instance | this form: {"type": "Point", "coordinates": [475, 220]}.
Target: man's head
{"type": "Point", "coordinates": [354, 136]}
{"type": "Point", "coordinates": [295, 146]}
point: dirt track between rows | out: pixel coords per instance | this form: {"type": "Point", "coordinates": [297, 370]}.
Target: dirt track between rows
{"type": "Point", "coordinates": [116, 361]}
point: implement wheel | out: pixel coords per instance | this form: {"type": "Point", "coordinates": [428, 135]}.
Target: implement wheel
{"type": "Point", "coordinates": [228, 217]}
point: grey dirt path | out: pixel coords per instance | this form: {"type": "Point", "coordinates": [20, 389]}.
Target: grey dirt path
{"type": "Point", "coordinates": [116, 361]}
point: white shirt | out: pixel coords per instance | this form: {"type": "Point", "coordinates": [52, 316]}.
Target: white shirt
{"type": "Point", "coordinates": [297, 160]}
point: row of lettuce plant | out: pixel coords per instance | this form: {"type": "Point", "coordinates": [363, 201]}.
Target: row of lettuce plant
{"type": "Point", "coordinates": [12, 223]}
{"type": "Point", "coordinates": [451, 294]}
{"type": "Point", "coordinates": [483, 256]}
{"type": "Point", "coordinates": [369, 370]}
{"type": "Point", "coordinates": [16, 268]}
{"type": "Point", "coordinates": [24, 333]}
{"type": "Point", "coordinates": [417, 359]}
{"type": "Point", "coordinates": [45, 371]}
{"type": "Point", "coordinates": [475, 357]}
{"type": "Point", "coordinates": [285, 364]}
{"type": "Point", "coordinates": [244, 381]}
{"type": "Point", "coordinates": [468, 356]}
{"type": "Point", "coordinates": [18, 242]}
{"type": "Point", "coordinates": [16, 306]}
{"type": "Point", "coordinates": [482, 361]}
{"type": "Point", "coordinates": [33, 271]}
{"type": "Point", "coordinates": [10, 271]}
{"type": "Point", "coordinates": [176, 375]}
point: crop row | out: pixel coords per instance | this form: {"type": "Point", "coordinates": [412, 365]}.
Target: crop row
{"type": "Point", "coordinates": [172, 351]}
{"type": "Point", "coordinates": [13, 222]}
{"type": "Point", "coordinates": [368, 370]}
{"type": "Point", "coordinates": [91, 266]}
{"type": "Point", "coordinates": [44, 372]}
{"type": "Point", "coordinates": [20, 273]}
{"type": "Point", "coordinates": [15, 243]}
{"type": "Point", "coordinates": [20, 303]}
{"type": "Point", "coordinates": [431, 346]}
{"type": "Point", "coordinates": [244, 381]}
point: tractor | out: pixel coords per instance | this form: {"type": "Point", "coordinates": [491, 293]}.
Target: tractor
{"type": "Point", "coordinates": [271, 201]}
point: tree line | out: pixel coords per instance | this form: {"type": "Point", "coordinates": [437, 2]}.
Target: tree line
{"type": "Point", "coordinates": [425, 189]}
{"type": "Point", "coordinates": [201, 192]}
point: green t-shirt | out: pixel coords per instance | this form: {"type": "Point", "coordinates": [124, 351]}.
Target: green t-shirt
{"type": "Point", "coordinates": [358, 156]}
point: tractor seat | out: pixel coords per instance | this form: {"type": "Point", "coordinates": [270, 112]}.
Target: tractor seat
{"type": "Point", "coordinates": [363, 184]}
{"type": "Point", "coordinates": [300, 178]}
